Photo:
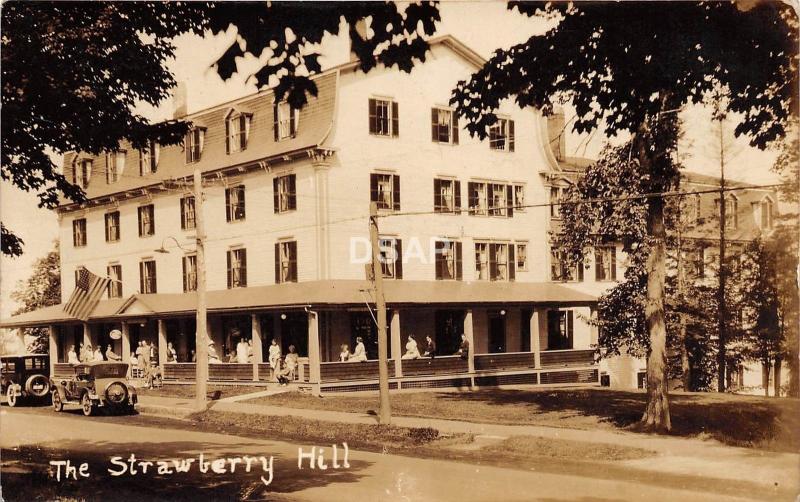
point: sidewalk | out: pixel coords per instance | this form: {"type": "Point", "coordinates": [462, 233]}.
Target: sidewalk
{"type": "Point", "coordinates": [675, 455]}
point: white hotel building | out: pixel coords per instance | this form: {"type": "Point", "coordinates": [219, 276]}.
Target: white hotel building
{"type": "Point", "coordinates": [287, 199]}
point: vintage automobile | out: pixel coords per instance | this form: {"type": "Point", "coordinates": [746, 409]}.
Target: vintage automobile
{"type": "Point", "coordinates": [96, 385]}
{"type": "Point", "coordinates": [25, 377]}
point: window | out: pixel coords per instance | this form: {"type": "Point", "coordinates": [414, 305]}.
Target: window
{"type": "Point", "coordinates": [559, 329]}
{"type": "Point", "coordinates": [477, 198]}
{"type": "Point", "coordinates": [448, 260]}
{"type": "Point", "coordinates": [383, 117]}
{"type": "Point", "coordinates": [501, 135]}
{"type": "Point", "coordinates": [605, 263]}
{"type": "Point", "coordinates": [522, 257]}
{"type": "Point", "coordinates": [237, 132]}
{"type": "Point", "coordinates": [767, 208]}
{"type": "Point", "coordinates": [147, 276]}
{"type": "Point", "coordinates": [391, 257]}
{"type": "Point", "coordinates": [193, 144]}
{"type": "Point", "coordinates": [519, 198]}
{"type": "Point", "coordinates": [284, 195]}
{"type": "Point", "coordinates": [556, 194]}
{"type": "Point", "coordinates": [115, 165]}
{"type": "Point", "coordinates": [499, 197]}
{"type": "Point", "coordinates": [237, 268]}
{"type": "Point", "coordinates": [147, 222]}
{"type": "Point", "coordinates": [112, 226]}
{"type": "Point", "coordinates": [285, 262]}
{"type": "Point", "coordinates": [189, 273]}
{"type": "Point", "coordinates": [234, 203]}
{"type": "Point", "coordinates": [385, 190]}
{"type": "Point", "coordinates": [148, 159]}
{"type": "Point", "coordinates": [82, 173]}
{"type": "Point", "coordinates": [560, 271]}
{"type": "Point", "coordinates": [285, 119]}
{"type": "Point", "coordinates": [187, 213]}
{"type": "Point", "coordinates": [444, 126]}
{"type": "Point", "coordinates": [79, 232]}
{"type": "Point", "coordinates": [697, 208]}
{"type": "Point", "coordinates": [115, 285]}
{"type": "Point", "coordinates": [494, 261]}
{"type": "Point", "coordinates": [731, 212]}
{"type": "Point", "coordinates": [446, 196]}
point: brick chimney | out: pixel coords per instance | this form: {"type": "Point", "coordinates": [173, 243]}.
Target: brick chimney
{"type": "Point", "coordinates": [556, 131]}
{"type": "Point", "coordinates": [180, 100]}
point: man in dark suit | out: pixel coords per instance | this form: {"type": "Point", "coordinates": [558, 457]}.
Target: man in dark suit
{"type": "Point", "coordinates": [430, 347]}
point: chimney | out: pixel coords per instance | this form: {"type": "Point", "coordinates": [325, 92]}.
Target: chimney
{"type": "Point", "coordinates": [556, 131]}
{"type": "Point", "coordinates": [180, 99]}
{"type": "Point", "coordinates": [361, 29]}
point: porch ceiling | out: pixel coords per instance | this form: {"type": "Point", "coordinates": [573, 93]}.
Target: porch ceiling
{"type": "Point", "coordinates": [317, 294]}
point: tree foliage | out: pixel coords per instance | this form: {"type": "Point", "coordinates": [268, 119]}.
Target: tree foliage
{"type": "Point", "coordinates": [73, 71]}
{"type": "Point", "coordinates": [41, 289]}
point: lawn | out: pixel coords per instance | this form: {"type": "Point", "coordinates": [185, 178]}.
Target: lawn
{"type": "Point", "coordinates": [750, 421]}
{"type": "Point", "coordinates": [188, 391]}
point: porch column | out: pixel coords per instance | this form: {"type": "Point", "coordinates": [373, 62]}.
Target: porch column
{"type": "Point", "coordinates": [162, 343]}
{"type": "Point", "coordinates": [470, 339]}
{"type": "Point", "coordinates": [126, 342]}
{"type": "Point", "coordinates": [534, 334]}
{"type": "Point", "coordinates": [397, 351]}
{"type": "Point", "coordinates": [52, 348]}
{"type": "Point", "coordinates": [258, 355]}
{"type": "Point", "coordinates": [313, 350]}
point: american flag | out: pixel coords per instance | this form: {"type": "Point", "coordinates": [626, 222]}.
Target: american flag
{"type": "Point", "coordinates": [88, 291]}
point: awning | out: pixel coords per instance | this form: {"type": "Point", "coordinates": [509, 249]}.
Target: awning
{"type": "Point", "coordinates": [318, 294]}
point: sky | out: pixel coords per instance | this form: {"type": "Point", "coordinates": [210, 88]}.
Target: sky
{"type": "Point", "coordinates": [483, 26]}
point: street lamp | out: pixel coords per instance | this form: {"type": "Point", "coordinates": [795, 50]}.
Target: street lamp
{"type": "Point", "coordinates": [164, 250]}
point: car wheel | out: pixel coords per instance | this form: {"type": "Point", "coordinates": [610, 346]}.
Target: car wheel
{"type": "Point", "coordinates": [11, 396]}
{"type": "Point", "coordinates": [58, 404]}
{"type": "Point", "coordinates": [86, 405]}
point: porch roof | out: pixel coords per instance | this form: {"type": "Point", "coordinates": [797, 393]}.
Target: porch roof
{"type": "Point", "coordinates": [316, 294]}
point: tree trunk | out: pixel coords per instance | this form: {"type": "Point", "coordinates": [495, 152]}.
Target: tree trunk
{"type": "Point", "coordinates": [656, 415]}
{"type": "Point", "coordinates": [794, 374]}
{"type": "Point", "coordinates": [686, 372]}
{"type": "Point", "coordinates": [777, 377]}
{"type": "Point", "coordinates": [728, 377]}
{"type": "Point", "coordinates": [765, 377]}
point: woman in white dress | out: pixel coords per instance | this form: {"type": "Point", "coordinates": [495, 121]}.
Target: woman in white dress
{"type": "Point", "coordinates": [412, 351]}
{"type": "Point", "coordinates": [241, 352]}
{"type": "Point", "coordinates": [360, 352]}
{"type": "Point", "coordinates": [274, 357]}
{"type": "Point", "coordinates": [72, 356]}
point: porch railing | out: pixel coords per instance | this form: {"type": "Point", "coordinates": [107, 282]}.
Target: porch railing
{"type": "Point", "coordinates": [504, 361]}
{"type": "Point", "coordinates": [570, 357]}
{"type": "Point", "coordinates": [179, 371]}
{"type": "Point", "coordinates": [230, 372]}
{"type": "Point", "coordinates": [362, 370]}
{"type": "Point", "coordinates": [436, 365]}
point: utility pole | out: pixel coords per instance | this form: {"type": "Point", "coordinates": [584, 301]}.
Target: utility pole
{"type": "Point", "coordinates": [201, 338]}
{"type": "Point", "coordinates": [385, 412]}
{"type": "Point", "coordinates": [721, 310]}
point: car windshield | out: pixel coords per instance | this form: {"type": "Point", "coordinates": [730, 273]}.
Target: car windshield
{"type": "Point", "coordinates": [110, 371]}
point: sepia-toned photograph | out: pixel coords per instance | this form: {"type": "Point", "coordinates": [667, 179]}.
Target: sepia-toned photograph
{"type": "Point", "coordinates": [400, 251]}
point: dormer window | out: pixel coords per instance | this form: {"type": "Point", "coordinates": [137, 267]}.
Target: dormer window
{"type": "Point", "coordinates": [285, 121]}
{"type": "Point", "coordinates": [115, 165]}
{"type": "Point", "coordinates": [148, 159]}
{"type": "Point", "coordinates": [237, 131]}
{"type": "Point", "coordinates": [501, 135]}
{"type": "Point", "coordinates": [82, 173]}
{"type": "Point", "coordinates": [193, 144]}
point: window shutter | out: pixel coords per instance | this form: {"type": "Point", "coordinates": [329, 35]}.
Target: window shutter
{"type": "Point", "coordinates": [457, 195]}
{"type": "Point", "coordinates": [201, 137]}
{"type": "Point", "coordinates": [614, 263]}
{"type": "Point", "coordinates": [492, 261]}
{"type": "Point", "coordinates": [455, 128]}
{"type": "Point", "coordinates": [396, 191]}
{"type": "Point", "coordinates": [277, 263]}
{"type": "Point", "coordinates": [439, 247]}
{"type": "Point", "coordinates": [435, 124]}
{"type": "Point", "coordinates": [141, 277]}
{"type": "Point", "coordinates": [276, 194]}
{"type": "Point", "coordinates": [512, 263]}
{"type": "Point", "coordinates": [510, 200]}
{"type": "Point", "coordinates": [569, 329]}
{"type": "Point", "coordinates": [292, 192]}
{"type": "Point", "coordinates": [243, 269]}
{"type": "Point", "coordinates": [395, 120]}
{"type": "Point", "coordinates": [437, 194]}
{"type": "Point", "coordinates": [244, 126]}
{"type": "Point", "coordinates": [598, 263]}
{"type": "Point", "coordinates": [275, 129]}
{"type": "Point", "coordinates": [293, 261]}
{"type": "Point", "coordinates": [398, 254]}
{"type": "Point", "coordinates": [230, 271]}
{"type": "Point", "coordinates": [141, 223]}
{"type": "Point", "coordinates": [183, 213]}
{"type": "Point", "coordinates": [510, 135]}
{"type": "Point", "coordinates": [240, 189]}
{"type": "Point", "coordinates": [151, 209]}
{"type": "Point", "coordinates": [473, 197]}
{"type": "Point", "coordinates": [228, 136]}
{"type": "Point", "coordinates": [373, 187]}
{"type": "Point", "coordinates": [373, 119]}
{"type": "Point", "coordinates": [228, 204]}
{"type": "Point", "coordinates": [108, 234]}
{"type": "Point", "coordinates": [459, 272]}
{"type": "Point", "coordinates": [292, 122]}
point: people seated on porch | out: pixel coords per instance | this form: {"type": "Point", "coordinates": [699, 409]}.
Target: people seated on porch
{"type": "Point", "coordinates": [110, 355]}
{"type": "Point", "coordinates": [98, 354]}
{"type": "Point", "coordinates": [344, 355]}
{"type": "Point", "coordinates": [241, 351]}
{"type": "Point", "coordinates": [287, 373]}
{"type": "Point", "coordinates": [430, 347]}
{"type": "Point", "coordinates": [85, 353]}
{"type": "Point", "coordinates": [412, 351]}
{"type": "Point", "coordinates": [463, 349]}
{"type": "Point", "coordinates": [72, 356]}
{"type": "Point", "coordinates": [193, 356]}
{"type": "Point", "coordinates": [249, 351]}
{"type": "Point", "coordinates": [231, 357]}
{"type": "Point", "coordinates": [213, 357]}
{"type": "Point", "coordinates": [172, 354]}
{"type": "Point", "coordinates": [360, 354]}
{"type": "Point", "coordinates": [274, 357]}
